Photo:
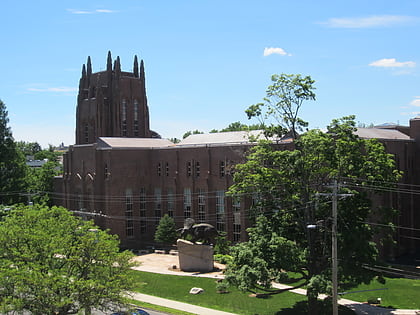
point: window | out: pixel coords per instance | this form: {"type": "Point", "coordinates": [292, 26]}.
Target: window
{"type": "Point", "coordinates": [86, 131]}
{"type": "Point", "coordinates": [129, 224]}
{"type": "Point", "coordinates": [159, 169]}
{"type": "Point", "coordinates": [143, 227]}
{"type": "Point", "coordinates": [189, 170]}
{"type": "Point", "coordinates": [170, 202]}
{"type": "Point", "coordinates": [167, 169]}
{"type": "Point", "coordinates": [158, 205]}
{"type": "Point", "coordinates": [136, 119]}
{"type": "Point", "coordinates": [236, 208]}
{"type": "Point", "coordinates": [106, 171]}
{"type": "Point", "coordinates": [124, 118]}
{"type": "Point", "coordinates": [222, 168]}
{"type": "Point", "coordinates": [187, 203]}
{"type": "Point", "coordinates": [220, 210]}
{"type": "Point", "coordinates": [142, 202]}
{"type": "Point", "coordinates": [201, 205]}
{"type": "Point", "coordinates": [197, 169]}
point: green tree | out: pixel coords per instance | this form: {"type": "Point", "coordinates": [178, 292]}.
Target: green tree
{"type": "Point", "coordinates": [286, 184]}
{"type": "Point", "coordinates": [166, 231]}
{"type": "Point", "coordinates": [29, 148]}
{"type": "Point", "coordinates": [12, 163]}
{"type": "Point", "coordinates": [54, 263]}
{"type": "Point", "coordinates": [280, 109]}
{"type": "Point", "coordinates": [40, 182]}
{"type": "Point", "coordinates": [189, 133]}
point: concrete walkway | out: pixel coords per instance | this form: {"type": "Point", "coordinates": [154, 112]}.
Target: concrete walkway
{"type": "Point", "coordinates": [161, 263]}
{"type": "Point", "coordinates": [194, 309]}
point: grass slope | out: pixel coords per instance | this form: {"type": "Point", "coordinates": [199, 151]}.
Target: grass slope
{"type": "Point", "coordinates": [178, 287]}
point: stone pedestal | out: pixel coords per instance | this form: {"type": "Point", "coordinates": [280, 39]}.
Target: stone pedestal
{"type": "Point", "coordinates": [195, 257]}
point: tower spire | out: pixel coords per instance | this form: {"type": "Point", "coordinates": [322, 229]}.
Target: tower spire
{"type": "Point", "coordinates": [109, 62]}
{"type": "Point", "coordinates": [136, 67]}
{"type": "Point", "coordinates": [117, 66]}
{"type": "Point", "coordinates": [89, 67]}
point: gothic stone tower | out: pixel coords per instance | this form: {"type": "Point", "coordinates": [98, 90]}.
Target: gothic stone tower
{"type": "Point", "coordinates": [112, 103]}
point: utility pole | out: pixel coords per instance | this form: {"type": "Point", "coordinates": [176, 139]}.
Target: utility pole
{"type": "Point", "coordinates": [334, 257]}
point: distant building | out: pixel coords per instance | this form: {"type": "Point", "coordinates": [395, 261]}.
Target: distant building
{"type": "Point", "coordinates": [125, 177]}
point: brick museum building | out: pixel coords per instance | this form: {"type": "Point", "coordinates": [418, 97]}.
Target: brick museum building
{"type": "Point", "coordinates": [126, 177]}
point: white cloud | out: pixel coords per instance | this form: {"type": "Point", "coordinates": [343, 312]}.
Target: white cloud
{"type": "Point", "coordinates": [275, 50]}
{"type": "Point", "coordinates": [415, 102]}
{"type": "Point", "coordinates": [392, 63]}
{"type": "Point", "coordinates": [74, 11]}
{"type": "Point", "coordinates": [53, 89]}
{"type": "Point", "coordinates": [369, 21]}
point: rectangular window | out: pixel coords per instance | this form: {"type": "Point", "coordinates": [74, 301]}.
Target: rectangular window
{"type": "Point", "coordinates": [222, 168]}
{"type": "Point", "coordinates": [142, 200]}
{"type": "Point", "coordinates": [197, 169]}
{"type": "Point", "coordinates": [236, 232]}
{"type": "Point", "coordinates": [136, 118]}
{"type": "Point", "coordinates": [220, 210]}
{"type": "Point", "coordinates": [236, 208]}
{"type": "Point", "coordinates": [187, 203]}
{"type": "Point", "coordinates": [171, 202]}
{"type": "Point", "coordinates": [159, 169]}
{"type": "Point", "coordinates": [129, 224]}
{"type": "Point", "coordinates": [201, 205]}
{"type": "Point", "coordinates": [167, 169]}
{"type": "Point", "coordinates": [143, 227]}
{"type": "Point", "coordinates": [189, 169]}
{"type": "Point", "coordinates": [124, 118]}
{"type": "Point", "coordinates": [86, 133]}
{"type": "Point", "coordinates": [158, 205]}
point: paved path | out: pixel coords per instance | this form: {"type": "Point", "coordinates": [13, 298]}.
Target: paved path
{"type": "Point", "coordinates": [161, 263]}
{"type": "Point", "coordinates": [194, 309]}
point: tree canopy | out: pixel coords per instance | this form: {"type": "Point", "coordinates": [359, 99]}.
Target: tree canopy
{"type": "Point", "coordinates": [54, 263]}
{"type": "Point", "coordinates": [166, 231]}
{"type": "Point", "coordinates": [280, 109]}
{"type": "Point", "coordinates": [12, 163]}
{"type": "Point", "coordinates": [286, 185]}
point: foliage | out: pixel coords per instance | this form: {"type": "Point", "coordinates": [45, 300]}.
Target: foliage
{"type": "Point", "coordinates": [238, 126]}
{"type": "Point", "coordinates": [288, 183]}
{"type": "Point", "coordinates": [280, 109]}
{"type": "Point", "coordinates": [29, 148]}
{"type": "Point", "coordinates": [223, 258]}
{"type": "Point", "coordinates": [54, 263]}
{"type": "Point", "coordinates": [189, 133]}
{"type": "Point", "coordinates": [12, 163]}
{"type": "Point", "coordinates": [222, 244]}
{"type": "Point", "coordinates": [40, 182]}
{"type": "Point", "coordinates": [166, 231]}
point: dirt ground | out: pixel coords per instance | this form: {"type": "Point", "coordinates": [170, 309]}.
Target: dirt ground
{"type": "Point", "coordinates": [169, 264]}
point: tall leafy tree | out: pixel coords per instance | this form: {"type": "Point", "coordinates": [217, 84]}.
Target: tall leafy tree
{"type": "Point", "coordinates": [166, 231]}
{"type": "Point", "coordinates": [54, 263]}
{"type": "Point", "coordinates": [287, 185]}
{"type": "Point", "coordinates": [279, 112]}
{"type": "Point", "coordinates": [12, 163]}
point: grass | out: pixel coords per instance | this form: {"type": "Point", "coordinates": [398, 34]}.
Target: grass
{"type": "Point", "coordinates": [178, 287]}
{"type": "Point", "coordinates": [399, 293]}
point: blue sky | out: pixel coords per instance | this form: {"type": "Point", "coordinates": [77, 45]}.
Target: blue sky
{"type": "Point", "coordinates": [207, 61]}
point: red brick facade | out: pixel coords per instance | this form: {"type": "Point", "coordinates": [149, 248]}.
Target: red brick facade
{"type": "Point", "coordinates": [125, 177]}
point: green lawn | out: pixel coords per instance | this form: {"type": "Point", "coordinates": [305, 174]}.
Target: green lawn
{"type": "Point", "coordinates": [399, 293]}
{"type": "Point", "coordinates": [178, 287]}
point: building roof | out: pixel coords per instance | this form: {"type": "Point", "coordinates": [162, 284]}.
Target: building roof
{"type": "Point", "coordinates": [124, 143]}
{"type": "Point", "coordinates": [381, 133]}
{"type": "Point", "coordinates": [231, 137]}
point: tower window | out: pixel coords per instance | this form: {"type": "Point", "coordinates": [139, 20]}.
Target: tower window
{"type": "Point", "coordinates": [86, 133]}
{"type": "Point", "coordinates": [124, 118]}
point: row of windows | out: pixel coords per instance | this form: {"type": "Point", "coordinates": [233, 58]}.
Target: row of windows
{"type": "Point", "coordinates": [169, 199]}
{"type": "Point", "coordinates": [193, 168]}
